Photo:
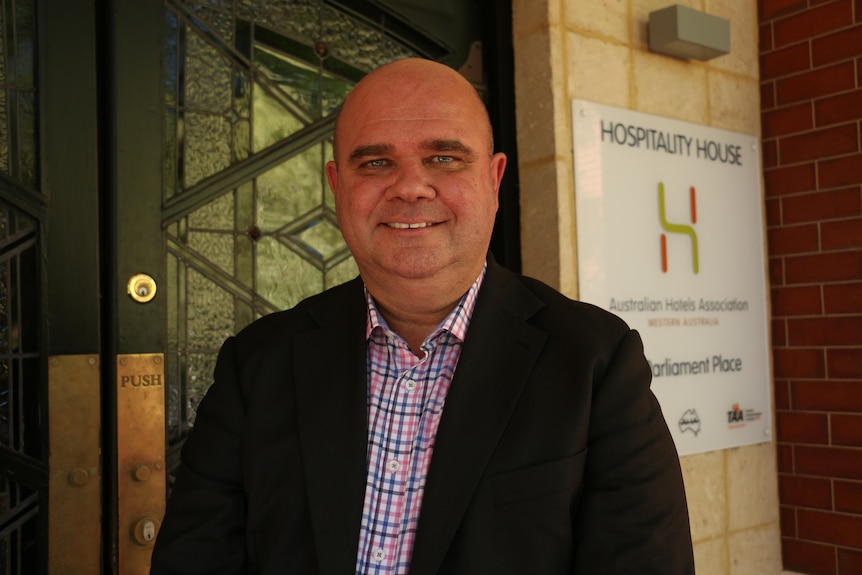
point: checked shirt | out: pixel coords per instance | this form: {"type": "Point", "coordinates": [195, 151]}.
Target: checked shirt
{"type": "Point", "coordinates": [405, 401]}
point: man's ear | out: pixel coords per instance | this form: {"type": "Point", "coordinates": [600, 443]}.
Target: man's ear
{"type": "Point", "coordinates": [332, 176]}
{"type": "Point", "coordinates": [498, 166]}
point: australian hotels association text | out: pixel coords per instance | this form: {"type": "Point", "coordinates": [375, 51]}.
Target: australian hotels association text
{"type": "Point", "coordinates": [647, 304]}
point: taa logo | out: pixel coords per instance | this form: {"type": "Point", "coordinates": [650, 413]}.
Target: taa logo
{"type": "Point", "coordinates": [671, 228]}
{"type": "Point", "coordinates": [735, 415]}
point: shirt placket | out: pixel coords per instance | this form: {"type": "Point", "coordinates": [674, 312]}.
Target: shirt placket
{"type": "Point", "coordinates": [403, 413]}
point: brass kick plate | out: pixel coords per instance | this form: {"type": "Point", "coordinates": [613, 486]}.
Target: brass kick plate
{"type": "Point", "coordinates": [74, 473]}
{"type": "Point", "coordinates": [140, 458]}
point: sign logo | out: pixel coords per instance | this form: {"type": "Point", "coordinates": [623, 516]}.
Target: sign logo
{"type": "Point", "coordinates": [735, 417]}
{"type": "Point", "coordinates": [690, 422]}
{"type": "Point", "coordinates": [738, 417]}
{"type": "Point", "coordinates": [678, 228]}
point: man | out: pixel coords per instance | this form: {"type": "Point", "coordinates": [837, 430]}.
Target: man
{"type": "Point", "coordinates": [439, 414]}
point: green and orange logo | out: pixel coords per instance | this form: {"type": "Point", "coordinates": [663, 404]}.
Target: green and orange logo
{"type": "Point", "coordinates": [678, 228]}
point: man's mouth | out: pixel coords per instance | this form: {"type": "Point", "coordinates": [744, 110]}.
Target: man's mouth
{"type": "Point", "coordinates": [403, 226]}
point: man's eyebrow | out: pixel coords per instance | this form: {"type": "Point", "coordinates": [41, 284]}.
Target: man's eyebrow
{"type": "Point", "coordinates": [446, 146]}
{"type": "Point", "coordinates": [370, 150]}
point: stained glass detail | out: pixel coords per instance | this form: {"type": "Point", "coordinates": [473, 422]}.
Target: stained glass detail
{"type": "Point", "coordinates": [19, 515]}
{"type": "Point", "coordinates": [20, 421]}
{"type": "Point", "coordinates": [19, 341]}
{"type": "Point", "coordinates": [18, 117]}
{"type": "Point", "coordinates": [256, 231]}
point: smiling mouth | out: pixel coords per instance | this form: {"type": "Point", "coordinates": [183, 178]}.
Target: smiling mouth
{"type": "Point", "coordinates": [402, 226]}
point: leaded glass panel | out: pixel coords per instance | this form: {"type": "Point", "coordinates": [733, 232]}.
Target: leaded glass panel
{"type": "Point", "coordinates": [18, 118]}
{"type": "Point", "coordinates": [19, 382]}
{"type": "Point", "coordinates": [19, 533]}
{"type": "Point", "coordinates": [245, 81]}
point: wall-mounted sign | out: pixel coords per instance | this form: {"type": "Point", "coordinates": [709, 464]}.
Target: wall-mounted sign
{"type": "Point", "coordinates": [670, 238]}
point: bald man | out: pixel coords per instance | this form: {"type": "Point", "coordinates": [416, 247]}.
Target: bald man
{"type": "Point", "coordinates": [438, 414]}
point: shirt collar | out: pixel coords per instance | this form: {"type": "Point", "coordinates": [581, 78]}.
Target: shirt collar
{"type": "Point", "coordinates": [455, 323]}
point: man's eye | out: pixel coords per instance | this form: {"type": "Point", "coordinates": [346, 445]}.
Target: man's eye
{"type": "Point", "coordinates": [375, 163]}
{"type": "Point", "coordinates": [444, 159]}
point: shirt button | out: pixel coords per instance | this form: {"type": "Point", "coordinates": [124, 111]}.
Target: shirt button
{"type": "Point", "coordinates": [393, 465]}
{"type": "Point", "coordinates": [410, 385]}
{"type": "Point", "coordinates": [379, 555]}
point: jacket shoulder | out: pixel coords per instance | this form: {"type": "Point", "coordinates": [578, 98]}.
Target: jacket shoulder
{"type": "Point", "coordinates": [341, 304]}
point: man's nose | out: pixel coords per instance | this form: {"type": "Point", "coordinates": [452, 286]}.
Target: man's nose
{"type": "Point", "coordinates": [412, 181]}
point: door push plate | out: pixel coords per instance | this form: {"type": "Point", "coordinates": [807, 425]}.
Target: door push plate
{"type": "Point", "coordinates": [141, 483]}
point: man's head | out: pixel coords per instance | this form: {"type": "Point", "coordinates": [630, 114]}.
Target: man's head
{"type": "Point", "coordinates": [415, 178]}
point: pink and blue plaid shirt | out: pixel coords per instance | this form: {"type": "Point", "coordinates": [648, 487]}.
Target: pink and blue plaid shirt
{"type": "Point", "coordinates": [405, 401]}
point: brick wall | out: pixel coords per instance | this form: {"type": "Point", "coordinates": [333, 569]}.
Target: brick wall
{"type": "Point", "coordinates": [811, 101]}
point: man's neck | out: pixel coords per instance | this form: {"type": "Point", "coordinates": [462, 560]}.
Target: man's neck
{"type": "Point", "coordinates": [414, 308]}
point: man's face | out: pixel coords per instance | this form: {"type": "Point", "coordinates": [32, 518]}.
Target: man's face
{"type": "Point", "coordinates": [416, 183]}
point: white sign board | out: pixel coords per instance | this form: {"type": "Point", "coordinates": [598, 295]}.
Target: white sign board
{"type": "Point", "coordinates": [670, 238]}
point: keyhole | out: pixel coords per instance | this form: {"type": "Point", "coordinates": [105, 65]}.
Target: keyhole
{"type": "Point", "coordinates": [149, 531]}
{"type": "Point", "coordinates": [143, 290]}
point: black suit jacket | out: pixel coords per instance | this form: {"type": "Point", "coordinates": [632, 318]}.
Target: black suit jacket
{"type": "Point", "coordinates": [551, 456]}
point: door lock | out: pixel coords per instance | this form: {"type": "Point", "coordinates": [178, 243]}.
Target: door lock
{"type": "Point", "coordinates": [141, 287]}
{"type": "Point", "coordinates": [145, 530]}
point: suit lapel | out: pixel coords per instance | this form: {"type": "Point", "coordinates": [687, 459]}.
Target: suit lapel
{"type": "Point", "coordinates": [498, 355]}
{"type": "Point", "coordinates": [331, 402]}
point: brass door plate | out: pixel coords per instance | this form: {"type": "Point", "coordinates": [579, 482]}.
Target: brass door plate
{"type": "Point", "coordinates": [74, 472]}
{"type": "Point", "coordinates": [141, 484]}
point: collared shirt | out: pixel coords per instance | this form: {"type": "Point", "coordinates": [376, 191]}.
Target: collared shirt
{"type": "Point", "coordinates": [405, 401]}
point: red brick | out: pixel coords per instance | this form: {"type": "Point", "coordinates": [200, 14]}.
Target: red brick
{"type": "Point", "coordinates": [764, 41]}
{"type": "Point", "coordinates": [843, 396]}
{"type": "Point", "coordinates": [774, 8]}
{"type": "Point", "coordinates": [793, 240]}
{"type": "Point", "coordinates": [842, 234]}
{"type": "Point", "coordinates": [773, 212]}
{"type": "Point", "coordinates": [816, 83]}
{"type": "Point", "coordinates": [805, 491]}
{"type": "Point", "coordinates": [776, 271]}
{"type": "Point", "coordinates": [836, 528]}
{"type": "Point", "coordinates": [789, 120]}
{"type": "Point", "coordinates": [832, 266]}
{"type": "Point", "coordinates": [790, 180]}
{"type": "Point", "coordinates": [823, 331]}
{"type": "Point", "coordinates": [846, 430]}
{"type": "Point", "coordinates": [799, 363]}
{"type": "Point", "coordinates": [767, 95]}
{"type": "Point", "coordinates": [848, 496]}
{"type": "Point", "coordinates": [810, 558]}
{"type": "Point", "coordinates": [821, 206]}
{"type": "Point", "coordinates": [835, 141]}
{"type": "Point", "coordinates": [859, 19]}
{"type": "Point", "coordinates": [813, 22]}
{"type": "Point", "coordinates": [828, 462]}
{"type": "Point", "coordinates": [841, 171]}
{"type": "Point", "coordinates": [842, 298]}
{"type": "Point", "coordinates": [844, 364]}
{"type": "Point", "coordinates": [838, 46]}
{"type": "Point", "coordinates": [840, 108]}
{"type": "Point", "coordinates": [770, 154]}
{"type": "Point", "coordinates": [779, 335]}
{"type": "Point", "coordinates": [796, 427]}
{"type": "Point", "coordinates": [790, 60]}
{"type": "Point", "coordinates": [850, 561]}
{"type": "Point", "coordinates": [782, 395]}
{"type": "Point", "coordinates": [784, 455]}
{"type": "Point", "coordinates": [787, 518]}
{"type": "Point", "coordinates": [796, 301]}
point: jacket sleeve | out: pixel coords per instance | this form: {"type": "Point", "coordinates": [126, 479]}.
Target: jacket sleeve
{"type": "Point", "coordinates": [632, 517]}
{"type": "Point", "coordinates": [204, 526]}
